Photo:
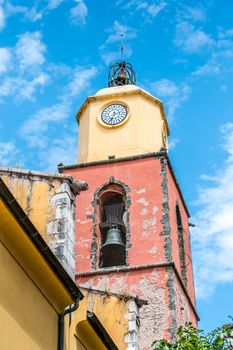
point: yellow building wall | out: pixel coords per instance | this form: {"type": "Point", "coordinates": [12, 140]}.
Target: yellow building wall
{"type": "Point", "coordinates": [110, 311]}
{"type": "Point", "coordinates": [27, 319]}
{"type": "Point", "coordinates": [35, 199]}
{"type": "Point", "coordinates": [141, 133]}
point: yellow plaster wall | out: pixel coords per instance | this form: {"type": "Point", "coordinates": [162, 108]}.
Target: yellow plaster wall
{"type": "Point", "coordinates": [141, 133]}
{"type": "Point", "coordinates": [110, 311]}
{"type": "Point", "coordinates": [27, 320]}
{"type": "Point", "coordinates": [35, 198]}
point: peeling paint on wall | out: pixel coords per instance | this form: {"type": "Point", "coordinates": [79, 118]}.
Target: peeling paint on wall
{"type": "Point", "coordinates": [141, 190]}
{"type": "Point", "coordinates": [153, 250]}
{"type": "Point", "coordinates": [62, 227]}
{"type": "Point", "coordinates": [168, 246]}
{"type": "Point", "coordinates": [50, 204]}
{"type": "Point", "coordinates": [132, 336]}
{"type": "Point", "coordinates": [152, 238]}
{"type": "Point", "coordinates": [143, 201]}
{"type": "Point", "coordinates": [144, 211]}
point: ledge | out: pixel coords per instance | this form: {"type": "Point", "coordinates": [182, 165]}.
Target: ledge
{"type": "Point", "coordinates": [28, 173]}
{"type": "Point", "coordinates": [138, 301]}
{"type": "Point", "coordinates": [120, 269]}
{"type": "Point", "coordinates": [115, 160]}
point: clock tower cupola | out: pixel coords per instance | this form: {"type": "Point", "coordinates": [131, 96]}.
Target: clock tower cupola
{"type": "Point", "coordinates": [121, 120]}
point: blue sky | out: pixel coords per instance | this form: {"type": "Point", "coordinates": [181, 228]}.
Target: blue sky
{"type": "Point", "coordinates": [54, 53]}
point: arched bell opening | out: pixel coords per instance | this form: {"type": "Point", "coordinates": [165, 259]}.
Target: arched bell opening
{"type": "Point", "coordinates": [112, 226]}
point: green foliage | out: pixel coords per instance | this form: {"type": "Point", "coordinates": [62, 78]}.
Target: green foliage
{"type": "Point", "coordinates": [190, 338]}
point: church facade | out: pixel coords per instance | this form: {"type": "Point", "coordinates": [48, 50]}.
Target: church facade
{"type": "Point", "coordinates": [132, 224]}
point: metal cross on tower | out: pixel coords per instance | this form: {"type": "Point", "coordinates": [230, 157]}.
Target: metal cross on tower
{"type": "Point", "coordinates": [121, 73]}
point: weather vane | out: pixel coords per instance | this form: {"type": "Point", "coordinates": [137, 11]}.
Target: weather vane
{"type": "Point", "coordinates": [122, 46]}
{"type": "Point", "coordinates": [121, 73]}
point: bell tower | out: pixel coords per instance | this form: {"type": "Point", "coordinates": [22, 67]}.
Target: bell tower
{"type": "Point", "coordinates": [132, 233]}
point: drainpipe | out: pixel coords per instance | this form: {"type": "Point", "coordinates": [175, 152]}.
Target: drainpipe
{"type": "Point", "coordinates": [61, 321]}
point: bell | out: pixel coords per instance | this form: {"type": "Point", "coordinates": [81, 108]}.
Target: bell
{"type": "Point", "coordinates": [113, 238]}
{"type": "Point", "coordinates": [113, 249]}
{"type": "Point", "coordinates": [121, 74]}
{"type": "Point", "coordinates": [121, 78]}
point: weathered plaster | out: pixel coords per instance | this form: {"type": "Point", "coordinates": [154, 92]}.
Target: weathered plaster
{"type": "Point", "coordinates": [62, 227]}
{"type": "Point", "coordinates": [154, 315]}
{"type": "Point", "coordinates": [144, 211]}
{"type": "Point", "coordinates": [49, 202]}
{"type": "Point", "coordinates": [153, 250]}
{"type": "Point", "coordinates": [152, 239]}
{"type": "Point", "coordinates": [166, 233]}
{"type": "Point", "coordinates": [132, 316]}
{"type": "Point", "coordinates": [143, 201]}
{"type": "Point", "coordinates": [141, 190]}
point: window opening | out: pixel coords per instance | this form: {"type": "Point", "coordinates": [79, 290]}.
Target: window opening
{"type": "Point", "coordinates": [112, 228]}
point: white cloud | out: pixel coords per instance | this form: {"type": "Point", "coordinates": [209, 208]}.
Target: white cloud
{"type": "Point", "coordinates": [221, 55]}
{"type": "Point", "coordinates": [165, 88]}
{"type": "Point", "coordinates": [30, 13]}
{"type": "Point", "coordinates": [108, 50]}
{"type": "Point", "coordinates": [173, 94]}
{"type": "Point", "coordinates": [81, 78]}
{"type": "Point", "coordinates": [224, 44]}
{"type": "Point", "coordinates": [27, 88]}
{"type": "Point", "coordinates": [39, 9]}
{"type": "Point", "coordinates": [117, 30]}
{"type": "Point", "coordinates": [172, 143]}
{"type": "Point", "coordinates": [148, 8]}
{"type": "Point", "coordinates": [24, 67]}
{"type": "Point", "coordinates": [60, 151]}
{"type": "Point", "coordinates": [15, 9]}
{"type": "Point", "coordinates": [2, 18]}
{"type": "Point", "coordinates": [5, 59]}
{"type": "Point", "coordinates": [30, 50]}
{"type": "Point", "coordinates": [111, 56]}
{"type": "Point", "coordinates": [22, 89]}
{"type": "Point", "coordinates": [37, 128]}
{"type": "Point", "coordinates": [8, 153]}
{"type": "Point", "coordinates": [33, 130]}
{"type": "Point", "coordinates": [191, 39]}
{"type": "Point", "coordinates": [33, 14]}
{"type": "Point", "coordinates": [191, 13]}
{"type": "Point", "coordinates": [78, 13]}
{"type": "Point", "coordinates": [7, 87]}
{"type": "Point", "coordinates": [212, 67]}
{"type": "Point", "coordinates": [213, 236]}
{"type": "Point", "coordinates": [154, 8]}
{"type": "Point", "coordinates": [53, 4]}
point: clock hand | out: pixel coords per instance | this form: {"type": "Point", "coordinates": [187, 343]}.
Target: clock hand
{"type": "Point", "coordinates": [113, 115]}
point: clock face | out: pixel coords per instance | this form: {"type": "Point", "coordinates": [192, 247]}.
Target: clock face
{"type": "Point", "coordinates": [114, 114]}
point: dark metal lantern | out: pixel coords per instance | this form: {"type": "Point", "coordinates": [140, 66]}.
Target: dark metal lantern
{"type": "Point", "coordinates": [121, 73]}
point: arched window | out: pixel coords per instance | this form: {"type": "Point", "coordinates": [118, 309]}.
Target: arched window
{"type": "Point", "coordinates": [181, 245]}
{"type": "Point", "coordinates": [112, 226]}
